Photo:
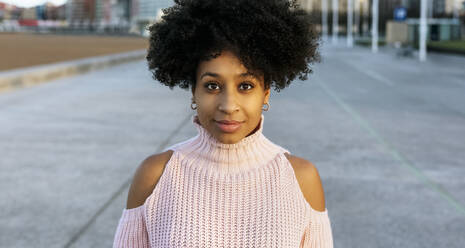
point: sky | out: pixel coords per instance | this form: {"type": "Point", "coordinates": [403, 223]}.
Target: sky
{"type": "Point", "coordinates": [30, 3]}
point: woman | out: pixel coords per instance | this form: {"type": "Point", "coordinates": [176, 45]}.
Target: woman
{"type": "Point", "coordinates": [229, 186]}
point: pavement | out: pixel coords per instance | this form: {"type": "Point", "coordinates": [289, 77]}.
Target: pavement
{"type": "Point", "coordinates": [386, 134]}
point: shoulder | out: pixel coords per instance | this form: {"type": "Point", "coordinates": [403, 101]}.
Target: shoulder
{"type": "Point", "coordinates": [309, 181]}
{"type": "Point", "coordinates": [146, 178]}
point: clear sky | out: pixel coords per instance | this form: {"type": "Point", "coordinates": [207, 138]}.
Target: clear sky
{"type": "Point", "coordinates": [30, 3]}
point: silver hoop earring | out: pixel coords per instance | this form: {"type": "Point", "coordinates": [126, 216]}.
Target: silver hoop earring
{"type": "Point", "coordinates": [192, 107]}
{"type": "Point", "coordinates": [267, 107]}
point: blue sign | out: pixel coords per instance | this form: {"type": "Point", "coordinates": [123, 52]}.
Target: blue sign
{"type": "Point", "coordinates": [400, 14]}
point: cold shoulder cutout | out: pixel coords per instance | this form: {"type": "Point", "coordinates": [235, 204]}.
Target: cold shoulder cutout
{"type": "Point", "coordinates": [146, 178]}
{"type": "Point", "coordinates": [212, 194]}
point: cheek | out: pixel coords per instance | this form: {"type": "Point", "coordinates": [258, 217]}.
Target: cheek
{"type": "Point", "coordinates": [206, 104]}
{"type": "Point", "coordinates": [253, 103]}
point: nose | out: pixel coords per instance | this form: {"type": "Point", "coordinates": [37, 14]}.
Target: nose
{"type": "Point", "coordinates": [228, 103]}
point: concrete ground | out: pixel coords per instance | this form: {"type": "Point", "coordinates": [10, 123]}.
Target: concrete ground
{"type": "Point", "coordinates": [386, 134]}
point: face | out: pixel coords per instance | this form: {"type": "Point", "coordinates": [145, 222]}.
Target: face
{"type": "Point", "coordinates": [225, 92]}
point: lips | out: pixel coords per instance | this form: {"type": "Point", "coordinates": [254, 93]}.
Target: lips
{"type": "Point", "coordinates": [231, 122]}
{"type": "Point", "coordinates": [228, 126]}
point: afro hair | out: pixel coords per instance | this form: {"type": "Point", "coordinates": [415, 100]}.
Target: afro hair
{"type": "Point", "coordinates": [274, 38]}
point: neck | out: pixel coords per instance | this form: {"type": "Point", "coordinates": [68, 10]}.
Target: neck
{"type": "Point", "coordinates": [208, 153]}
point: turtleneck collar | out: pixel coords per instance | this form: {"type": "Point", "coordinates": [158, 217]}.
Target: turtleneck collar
{"type": "Point", "coordinates": [206, 151]}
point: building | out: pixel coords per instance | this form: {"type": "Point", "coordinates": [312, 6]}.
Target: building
{"type": "Point", "coordinates": [437, 9]}
{"type": "Point", "coordinates": [113, 12]}
{"type": "Point", "coordinates": [53, 12]}
{"type": "Point", "coordinates": [81, 12]}
{"type": "Point", "coordinates": [144, 12]}
{"type": "Point", "coordinates": [9, 12]}
{"type": "Point", "coordinates": [386, 12]}
{"type": "Point", "coordinates": [29, 14]}
{"type": "Point", "coordinates": [99, 13]}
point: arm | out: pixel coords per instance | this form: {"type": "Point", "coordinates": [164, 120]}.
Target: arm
{"type": "Point", "coordinates": [318, 233]}
{"type": "Point", "coordinates": [132, 231]}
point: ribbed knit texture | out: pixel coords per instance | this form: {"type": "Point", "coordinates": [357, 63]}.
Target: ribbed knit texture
{"type": "Point", "coordinates": [213, 194]}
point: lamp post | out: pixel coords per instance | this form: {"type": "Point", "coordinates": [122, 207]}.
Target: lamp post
{"type": "Point", "coordinates": [335, 20]}
{"type": "Point", "coordinates": [374, 27]}
{"type": "Point", "coordinates": [324, 17]}
{"type": "Point", "coordinates": [350, 39]}
{"type": "Point", "coordinates": [423, 28]}
{"type": "Point", "coordinates": [357, 18]}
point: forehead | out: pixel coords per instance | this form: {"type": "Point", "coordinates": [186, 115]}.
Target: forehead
{"type": "Point", "coordinates": [225, 65]}
{"type": "Point", "coordinates": [226, 61]}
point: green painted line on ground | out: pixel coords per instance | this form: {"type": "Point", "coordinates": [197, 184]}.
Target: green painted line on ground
{"type": "Point", "coordinates": [389, 148]}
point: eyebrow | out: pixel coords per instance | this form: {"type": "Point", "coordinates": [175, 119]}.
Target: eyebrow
{"type": "Point", "coordinates": [245, 74]}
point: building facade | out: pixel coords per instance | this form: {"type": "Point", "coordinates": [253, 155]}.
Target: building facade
{"type": "Point", "coordinates": [145, 12]}
{"type": "Point", "coordinates": [436, 9]}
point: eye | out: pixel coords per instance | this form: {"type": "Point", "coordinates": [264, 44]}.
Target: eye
{"type": "Point", "coordinates": [248, 86]}
{"type": "Point", "coordinates": [211, 86]}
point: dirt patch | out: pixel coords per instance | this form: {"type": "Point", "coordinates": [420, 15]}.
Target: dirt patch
{"type": "Point", "coordinates": [23, 50]}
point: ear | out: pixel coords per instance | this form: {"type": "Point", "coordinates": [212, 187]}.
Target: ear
{"type": "Point", "coordinates": [267, 95]}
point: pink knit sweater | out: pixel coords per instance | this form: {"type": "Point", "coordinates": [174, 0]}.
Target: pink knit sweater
{"type": "Point", "coordinates": [213, 194]}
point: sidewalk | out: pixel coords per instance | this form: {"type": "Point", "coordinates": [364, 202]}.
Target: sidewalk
{"type": "Point", "coordinates": [385, 134]}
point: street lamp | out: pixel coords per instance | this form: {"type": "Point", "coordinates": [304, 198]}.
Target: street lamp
{"type": "Point", "coordinates": [350, 40]}
{"type": "Point", "coordinates": [357, 18]}
{"type": "Point", "coordinates": [335, 20]}
{"type": "Point", "coordinates": [423, 30]}
{"type": "Point", "coordinates": [324, 17]}
{"type": "Point", "coordinates": [374, 27]}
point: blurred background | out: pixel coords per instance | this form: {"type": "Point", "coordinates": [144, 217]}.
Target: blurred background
{"type": "Point", "coordinates": [382, 117]}
{"type": "Point", "coordinates": [78, 16]}
{"type": "Point", "coordinates": [401, 24]}
{"type": "Point", "coordinates": [132, 16]}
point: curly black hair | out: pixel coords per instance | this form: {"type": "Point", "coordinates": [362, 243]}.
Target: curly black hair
{"type": "Point", "coordinates": [274, 38]}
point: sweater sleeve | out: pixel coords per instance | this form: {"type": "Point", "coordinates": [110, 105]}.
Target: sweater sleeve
{"type": "Point", "coordinates": [131, 231]}
{"type": "Point", "coordinates": [318, 233]}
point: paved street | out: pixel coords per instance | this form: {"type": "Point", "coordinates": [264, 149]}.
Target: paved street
{"type": "Point", "coordinates": [386, 134]}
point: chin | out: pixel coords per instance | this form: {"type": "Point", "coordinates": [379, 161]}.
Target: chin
{"type": "Point", "coordinates": [228, 138]}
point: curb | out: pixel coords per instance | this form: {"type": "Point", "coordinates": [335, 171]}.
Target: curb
{"type": "Point", "coordinates": [23, 77]}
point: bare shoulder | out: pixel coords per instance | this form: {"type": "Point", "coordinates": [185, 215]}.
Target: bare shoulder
{"type": "Point", "coordinates": [309, 181]}
{"type": "Point", "coordinates": [146, 178]}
